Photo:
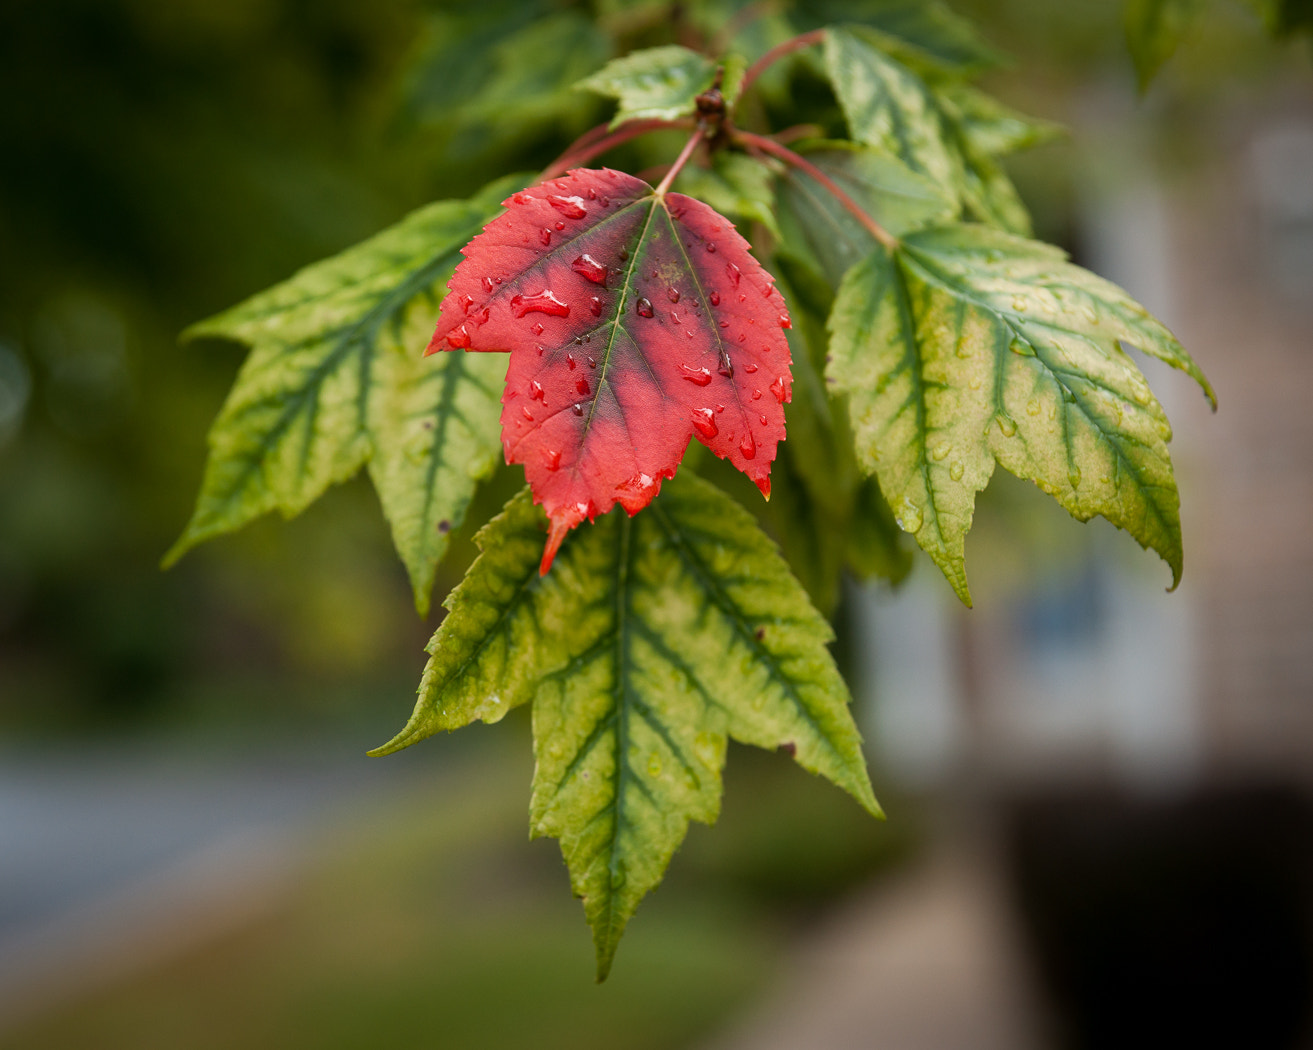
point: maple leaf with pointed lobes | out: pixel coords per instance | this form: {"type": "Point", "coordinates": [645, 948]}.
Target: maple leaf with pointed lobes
{"type": "Point", "coordinates": [634, 320]}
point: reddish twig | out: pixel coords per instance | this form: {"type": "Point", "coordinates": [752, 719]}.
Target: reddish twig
{"type": "Point", "coordinates": [580, 152]}
{"type": "Point", "coordinates": [765, 145]}
{"type": "Point", "coordinates": [772, 56]}
{"type": "Point", "coordinates": [680, 161]}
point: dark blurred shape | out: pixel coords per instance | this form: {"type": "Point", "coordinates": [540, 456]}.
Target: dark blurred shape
{"type": "Point", "coordinates": [1181, 922]}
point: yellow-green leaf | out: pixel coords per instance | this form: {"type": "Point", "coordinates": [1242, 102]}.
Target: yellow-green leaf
{"type": "Point", "coordinates": [650, 643]}
{"type": "Point", "coordinates": [336, 379]}
{"type": "Point", "coordinates": [890, 106]}
{"type": "Point", "coordinates": [967, 347]}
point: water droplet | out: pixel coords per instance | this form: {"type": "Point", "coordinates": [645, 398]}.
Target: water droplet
{"type": "Point", "coordinates": [726, 366]}
{"type": "Point", "coordinates": [711, 247]}
{"type": "Point", "coordinates": [733, 273]}
{"type": "Point", "coordinates": [527, 414]}
{"type": "Point", "coordinates": [956, 470]}
{"type": "Point", "coordinates": [487, 284]}
{"type": "Point", "coordinates": [552, 457]}
{"type": "Point", "coordinates": [570, 207]}
{"type": "Point", "coordinates": [756, 395]}
{"type": "Point", "coordinates": [780, 391]}
{"type": "Point", "coordinates": [570, 361]}
{"type": "Point", "coordinates": [748, 447]}
{"type": "Point", "coordinates": [696, 376]}
{"type": "Point", "coordinates": [672, 294]}
{"type": "Point", "coordinates": [704, 422]}
{"type": "Point", "coordinates": [521, 198]}
{"type": "Point", "coordinates": [481, 318]}
{"type": "Point", "coordinates": [675, 318]}
{"type": "Point", "coordinates": [559, 226]}
{"type": "Point", "coordinates": [908, 516]}
{"type": "Point", "coordinates": [940, 452]}
{"type": "Point", "coordinates": [715, 298]}
{"type": "Point", "coordinates": [763, 420]}
{"type": "Point", "coordinates": [742, 298]}
{"type": "Point", "coordinates": [458, 338]}
{"type": "Point", "coordinates": [1006, 424]}
{"type": "Point", "coordinates": [1022, 347]}
{"type": "Point", "coordinates": [590, 269]}
{"type": "Point", "coordinates": [643, 307]}
{"type": "Point", "coordinates": [536, 391]}
{"type": "Point", "coordinates": [577, 409]}
{"type": "Point", "coordinates": [724, 324]}
{"type": "Point", "coordinates": [543, 303]}
{"type": "Point", "coordinates": [582, 386]}
{"type": "Point", "coordinates": [592, 361]}
{"type": "Point", "coordinates": [538, 330]}
{"type": "Point", "coordinates": [466, 301]}
{"type": "Point", "coordinates": [749, 368]}
{"type": "Point", "coordinates": [595, 305]}
{"type": "Point", "coordinates": [605, 202]}
{"type": "Point", "coordinates": [1073, 475]}
{"type": "Point", "coordinates": [592, 194]}
{"type": "Point", "coordinates": [785, 321]}
{"type": "Point", "coordinates": [545, 235]}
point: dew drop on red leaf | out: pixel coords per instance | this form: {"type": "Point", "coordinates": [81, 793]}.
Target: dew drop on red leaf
{"type": "Point", "coordinates": [643, 307]}
{"type": "Point", "coordinates": [590, 269]}
{"type": "Point", "coordinates": [543, 303]}
{"type": "Point", "coordinates": [697, 376]}
{"type": "Point", "coordinates": [570, 207]}
{"type": "Point", "coordinates": [704, 422]}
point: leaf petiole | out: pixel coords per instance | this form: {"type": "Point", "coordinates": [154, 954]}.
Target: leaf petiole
{"type": "Point", "coordinates": [816, 36]}
{"type": "Point", "coordinates": [762, 144]}
{"type": "Point", "coordinates": [680, 161]}
{"type": "Point", "coordinates": [590, 145]}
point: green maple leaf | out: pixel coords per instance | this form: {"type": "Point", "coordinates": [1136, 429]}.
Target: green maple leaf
{"type": "Point", "coordinates": [922, 122]}
{"type": "Point", "coordinates": [650, 643]}
{"type": "Point", "coordinates": [661, 83]}
{"type": "Point", "coordinates": [967, 346]}
{"type": "Point", "coordinates": [336, 380]}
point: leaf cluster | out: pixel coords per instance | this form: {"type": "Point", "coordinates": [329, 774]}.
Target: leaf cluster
{"type": "Point", "coordinates": [927, 339]}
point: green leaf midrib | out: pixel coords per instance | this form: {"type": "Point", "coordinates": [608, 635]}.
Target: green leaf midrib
{"type": "Point", "coordinates": [746, 633]}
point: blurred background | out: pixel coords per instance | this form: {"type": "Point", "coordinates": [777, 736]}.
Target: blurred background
{"type": "Point", "coordinates": [1101, 826]}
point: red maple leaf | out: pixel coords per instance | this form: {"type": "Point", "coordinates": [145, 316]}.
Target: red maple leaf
{"type": "Point", "coordinates": [634, 320]}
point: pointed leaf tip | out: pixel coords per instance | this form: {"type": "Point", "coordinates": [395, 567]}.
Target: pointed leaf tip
{"type": "Point", "coordinates": [642, 654]}
{"type": "Point", "coordinates": [635, 322]}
